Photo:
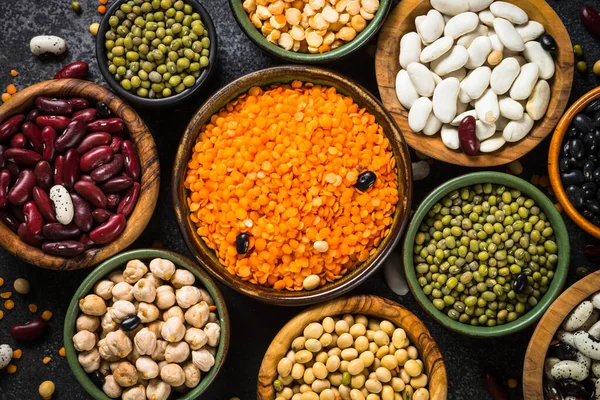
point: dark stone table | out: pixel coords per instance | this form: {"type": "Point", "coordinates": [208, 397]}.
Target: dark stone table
{"type": "Point", "coordinates": [253, 324]}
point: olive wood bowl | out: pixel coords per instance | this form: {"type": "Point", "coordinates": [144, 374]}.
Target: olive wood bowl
{"type": "Point", "coordinates": [533, 367]}
{"type": "Point", "coordinates": [553, 162]}
{"type": "Point", "coordinates": [365, 305]}
{"type": "Point", "coordinates": [387, 65]}
{"type": "Point", "coordinates": [285, 74]}
{"type": "Point", "coordinates": [119, 261]}
{"type": "Point", "coordinates": [150, 179]}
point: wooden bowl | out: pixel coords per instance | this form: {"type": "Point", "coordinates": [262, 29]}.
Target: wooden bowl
{"type": "Point", "coordinates": [365, 305]}
{"type": "Point", "coordinates": [285, 74]}
{"type": "Point", "coordinates": [553, 162]}
{"type": "Point", "coordinates": [120, 261]}
{"type": "Point", "coordinates": [387, 65]}
{"type": "Point", "coordinates": [533, 368]}
{"type": "Point", "coordinates": [150, 180]}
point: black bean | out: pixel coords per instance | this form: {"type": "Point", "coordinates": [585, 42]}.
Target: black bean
{"type": "Point", "coordinates": [593, 206]}
{"type": "Point", "coordinates": [575, 196]}
{"type": "Point", "coordinates": [578, 164]}
{"type": "Point", "coordinates": [563, 351]}
{"type": "Point", "coordinates": [589, 190]}
{"type": "Point", "coordinates": [572, 132]}
{"type": "Point", "coordinates": [365, 180]}
{"type": "Point", "coordinates": [593, 158]}
{"type": "Point", "coordinates": [577, 148]}
{"type": "Point", "coordinates": [596, 220]}
{"type": "Point", "coordinates": [242, 242]}
{"type": "Point", "coordinates": [574, 177]}
{"type": "Point", "coordinates": [566, 150]}
{"type": "Point", "coordinates": [596, 120]}
{"type": "Point", "coordinates": [587, 214]}
{"type": "Point", "coordinates": [570, 387]}
{"type": "Point", "coordinates": [97, 378]}
{"type": "Point", "coordinates": [103, 109]}
{"type": "Point", "coordinates": [548, 43]}
{"type": "Point", "coordinates": [564, 164]}
{"type": "Point", "coordinates": [588, 170]}
{"type": "Point", "coordinates": [583, 123]}
{"type": "Point", "coordinates": [551, 391]}
{"type": "Point", "coordinates": [590, 142]}
{"type": "Point", "coordinates": [130, 323]}
{"type": "Point", "coordinates": [519, 283]}
{"type": "Point", "coordinates": [597, 175]}
{"type": "Point", "coordinates": [593, 108]}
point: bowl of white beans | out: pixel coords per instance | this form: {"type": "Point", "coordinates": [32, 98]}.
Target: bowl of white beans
{"type": "Point", "coordinates": [354, 348]}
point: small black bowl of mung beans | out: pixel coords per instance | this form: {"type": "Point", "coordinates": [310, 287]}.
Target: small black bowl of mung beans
{"type": "Point", "coordinates": [156, 53]}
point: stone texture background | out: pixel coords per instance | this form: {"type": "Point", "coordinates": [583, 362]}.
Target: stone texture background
{"type": "Point", "coordinates": [253, 324]}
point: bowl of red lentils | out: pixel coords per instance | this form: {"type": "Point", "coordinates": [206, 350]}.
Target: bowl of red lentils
{"type": "Point", "coordinates": [310, 31]}
{"type": "Point", "coordinates": [292, 185]}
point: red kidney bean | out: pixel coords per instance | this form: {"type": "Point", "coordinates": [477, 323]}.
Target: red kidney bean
{"type": "Point", "coordinates": [34, 135]}
{"type": "Point", "coordinates": [71, 136]}
{"type": "Point", "coordinates": [113, 200]}
{"type": "Point", "coordinates": [75, 70]}
{"type": "Point", "coordinates": [127, 203]}
{"type": "Point", "coordinates": [52, 106]}
{"type": "Point", "coordinates": [33, 217]}
{"type": "Point", "coordinates": [590, 18]}
{"type": "Point", "coordinates": [17, 212]}
{"type": "Point", "coordinates": [56, 231]}
{"type": "Point", "coordinates": [107, 171]}
{"type": "Point", "coordinates": [9, 220]}
{"type": "Point", "coordinates": [86, 178]}
{"type": "Point", "coordinates": [91, 193]}
{"type": "Point", "coordinates": [5, 180]}
{"type": "Point", "coordinates": [29, 331]}
{"type": "Point", "coordinates": [116, 143]}
{"type": "Point", "coordinates": [11, 126]}
{"type": "Point", "coordinates": [494, 388]}
{"type": "Point", "coordinates": [28, 236]}
{"type": "Point", "coordinates": [100, 215]}
{"type": "Point", "coordinates": [93, 140]}
{"type": "Point", "coordinates": [70, 168]}
{"type": "Point", "coordinates": [45, 205]}
{"type": "Point", "coordinates": [14, 170]}
{"type": "Point", "coordinates": [108, 231]}
{"type": "Point", "coordinates": [131, 160]}
{"type": "Point", "coordinates": [86, 241]}
{"type": "Point", "coordinates": [82, 213]}
{"type": "Point", "coordinates": [22, 190]}
{"type": "Point", "coordinates": [22, 156]}
{"type": "Point", "coordinates": [48, 139]}
{"type": "Point", "coordinates": [78, 103]}
{"type": "Point", "coordinates": [32, 115]}
{"type": "Point", "coordinates": [591, 250]}
{"type": "Point", "coordinates": [44, 175]}
{"type": "Point", "coordinates": [58, 170]}
{"type": "Point", "coordinates": [2, 158]}
{"type": "Point", "coordinates": [18, 141]}
{"type": "Point", "coordinates": [56, 121]}
{"type": "Point", "coordinates": [467, 137]}
{"type": "Point", "coordinates": [87, 115]}
{"type": "Point", "coordinates": [110, 125]}
{"type": "Point", "coordinates": [65, 248]}
{"type": "Point", "coordinates": [96, 157]}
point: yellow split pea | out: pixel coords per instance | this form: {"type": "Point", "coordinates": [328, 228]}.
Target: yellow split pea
{"type": "Point", "coordinates": [280, 165]}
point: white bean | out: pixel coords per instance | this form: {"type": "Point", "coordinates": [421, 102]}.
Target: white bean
{"type": "Point", "coordinates": [538, 102]}
{"type": "Point", "coordinates": [419, 113]}
{"type": "Point", "coordinates": [450, 7]}
{"type": "Point", "coordinates": [410, 49]}
{"type": "Point", "coordinates": [510, 12]}
{"type": "Point", "coordinates": [450, 137]}
{"type": "Point", "coordinates": [478, 5]}
{"type": "Point", "coordinates": [517, 130]}
{"type": "Point", "coordinates": [421, 78]}
{"type": "Point", "coordinates": [477, 82]}
{"type": "Point", "coordinates": [62, 204]}
{"type": "Point", "coordinates": [534, 52]}
{"type": "Point", "coordinates": [436, 49]}
{"type": "Point", "coordinates": [459, 74]}
{"type": "Point", "coordinates": [455, 59]}
{"type": "Point", "coordinates": [504, 75]}
{"type": "Point", "coordinates": [444, 99]}
{"type": "Point", "coordinates": [461, 24]}
{"type": "Point", "coordinates": [478, 52]}
{"type": "Point", "coordinates": [431, 27]}
{"type": "Point", "coordinates": [47, 44]}
{"type": "Point", "coordinates": [432, 126]}
{"type": "Point", "coordinates": [492, 144]}
{"type": "Point", "coordinates": [484, 131]}
{"type": "Point", "coordinates": [458, 119]}
{"type": "Point", "coordinates": [467, 39]}
{"type": "Point", "coordinates": [487, 18]}
{"type": "Point", "coordinates": [525, 82]}
{"type": "Point", "coordinates": [530, 31]}
{"type": "Point", "coordinates": [406, 92]}
{"type": "Point", "coordinates": [487, 107]}
{"type": "Point", "coordinates": [510, 108]}
{"type": "Point", "coordinates": [496, 43]}
{"type": "Point", "coordinates": [508, 35]}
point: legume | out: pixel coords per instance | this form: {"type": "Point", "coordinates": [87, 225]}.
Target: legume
{"type": "Point", "coordinates": [291, 187]}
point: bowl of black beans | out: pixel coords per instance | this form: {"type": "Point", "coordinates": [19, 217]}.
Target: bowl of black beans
{"type": "Point", "coordinates": [574, 162]}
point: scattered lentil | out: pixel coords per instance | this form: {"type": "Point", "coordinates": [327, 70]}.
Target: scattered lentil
{"type": "Point", "coordinates": [515, 167]}
{"type": "Point", "coordinates": [46, 389]}
{"type": "Point", "coordinates": [513, 383]}
{"type": "Point", "coordinates": [22, 286]}
{"type": "Point", "coordinates": [46, 360]}
{"type": "Point", "coordinates": [11, 368]}
{"type": "Point", "coordinates": [11, 89]}
{"type": "Point", "coordinates": [6, 295]}
{"type": "Point", "coordinates": [14, 72]}
{"type": "Point", "coordinates": [6, 97]}
{"type": "Point", "coordinates": [17, 354]}
{"type": "Point", "coordinates": [1, 282]}
{"type": "Point", "coordinates": [32, 308]}
{"type": "Point", "coordinates": [102, 9]}
{"type": "Point", "coordinates": [46, 315]}
{"type": "Point", "coordinates": [62, 352]}
{"type": "Point", "coordinates": [9, 304]}
{"type": "Point", "coordinates": [1, 314]}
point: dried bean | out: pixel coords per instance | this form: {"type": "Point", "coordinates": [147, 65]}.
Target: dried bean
{"type": "Point", "coordinates": [108, 231]}
{"type": "Point", "coordinates": [113, 200]}
{"type": "Point", "coordinates": [29, 331]}
{"type": "Point", "coordinates": [590, 18]}
{"type": "Point", "coordinates": [128, 201]}
{"type": "Point", "coordinates": [116, 144]}
{"type": "Point", "coordinates": [86, 178]}
{"type": "Point", "coordinates": [9, 220]}
{"type": "Point", "coordinates": [100, 215]}
{"type": "Point", "coordinates": [241, 243]}
{"type": "Point", "coordinates": [14, 170]}
{"type": "Point", "coordinates": [22, 190]}
{"type": "Point", "coordinates": [591, 250]}
{"type": "Point", "coordinates": [131, 160]}
{"type": "Point", "coordinates": [17, 212]}
{"type": "Point", "coordinates": [107, 171]}
{"type": "Point", "coordinates": [87, 115]}
{"type": "Point", "coordinates": [2, 158]}
{"type": "Point", "coordinates": [494, 388]}
{"type": "Point", "coordinates": [5, 179]}
{"type": "Point", "coordinates": [97, 378]}
{"type": "Point", "coordinates": [71, 136]}
{"type": "Point", "coordinates": [110, 125]}
{"type": "Point", "coordinates": [51, 106]}
{"type": "Point", "coordinates": [58, 170]}
{"type": "Point", "coordinates": [83, 213]}
{"type": "Point", "coordinates": [22, 156]}
{"type": "Point", "coordinates": [48, 138]}
{"type": "Point", "coordinates": [28, 236]}
{"type": "Point", "coordinates": [18, 141]}
{"type": "Point", "coordinates": [93, 140]}
{"type": "Point", "coordinates": [86, 241]}
{"type": "Point", "coordinates": [91, 193]}
{"type": "Point", "coordinates": [467, 137]}
{"type": "Point", "coordinates": [45, 205]}
{"type": "Point", "coordinates": [75, 70]}
{"type": "Point", "coordinates": [34, 135]}
{"type": "Point", "coordinates": [70, 168]}
{"type": "Point", "coordinates": [57, 122]}
{"type": "Point", "coordinates": [57, 232]}
{"type": "Point", "coordinates": [95, 158]}
{"type": "Point", "coordinates": [583, 123]}
{"type": "Point", "coordinates": [33, 217]}
{"type": "Point", "coordinates": [32, 115]}
{"type": "Point", "coordinates": [78, 103]}
{"type": "Point", "coordinates": [11, 126]}
{"type": "Point", "coordinates": [117, 184]}
{"type": "Point", "coordinates": [66, 248]}
{"type": "Point", "coordinates": [103, 109]}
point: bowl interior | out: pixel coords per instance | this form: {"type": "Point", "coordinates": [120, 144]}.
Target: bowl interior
{"type": "Point", "coordinates": [171, 100]}
{"type": "Point", "coordinates": [372, 306]}
{"type": "Point", "coordinates": [553, 161]}
{"type": "Point", "coordinates": [560, 274]}
{"type": "Point", "coordinates": [150, 179]}
{"type": "Point", "coordinates": [207, 258]}
{"type": "Point", "coordinates": [119, 262]}
{"type": "Point", "coordinates": [306, 58]}
{"type": "Point", "coordinates": [387, 66]}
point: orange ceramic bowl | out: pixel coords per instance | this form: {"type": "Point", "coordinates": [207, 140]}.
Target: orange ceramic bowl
{"type": "Point", "coordinates": [553, 158]}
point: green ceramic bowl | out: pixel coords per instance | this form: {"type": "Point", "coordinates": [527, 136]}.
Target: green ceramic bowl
{"type": "Point", "coordinates": [119, 261]}
{"type": "Point", "coordinates": [359, 41]}
{"type": "Point", "coordinates": [556, 285]}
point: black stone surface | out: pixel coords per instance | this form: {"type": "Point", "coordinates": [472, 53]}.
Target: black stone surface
{"type": "Point", "coordinates": [253, 324]}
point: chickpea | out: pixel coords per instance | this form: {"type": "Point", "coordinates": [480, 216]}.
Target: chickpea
{"type": "Point", "coordinates": [119, 343]}
{"type": "Point", "coordinates": [213, 333]}
{"type": "Point", "coordinates": [147, 312]}
{"type": "Point", "coordinates": [181, 278]}
{"type": "Point", "coordinates": [133, 356]}
{"type": "Point", "coordinates": [104, 289]}
{"type": "Point", "coordinates": [177, 352]}
{"type": "Point", "coordinates": [156, 328]}
{"type": "Point", "coordinates": [144, 290]}
{"type": "Point", "coordinates": [104, 368]}
{"type": "Point", "coordinates": [158, 390]}
{"type": "Point", "coordinates": [206, 297]}
{"type": "Point", "coordinates": [116, 276]}
{"type": "Point", "coordinates": [159, 351]}
{"type": "Point", "coordinates": [173, 330]}
{"type": "Point", "coordinates": [192, 375]}
{"type": "Point", "coordinates": [134, 271]}
{"type": "Point", "coordinates": [125, 374]}
{"type": "Point", "coordinates": [111, 388]}
{"type": "Point", "coordinates": [164, 269]}
{"type": "Point", "coordinates": [87, 323]}
{"type": "Point", "coordinates": [196, 338]}
{"type": "Point", "coordinates": [153, 279]}
{"type": "Point", "coordinates": [105, 352]}
{"type": "Point", "coordinates": [134, 393]}
{"type": "Point", "coordinates": [172, 374]}
{"type": "Point", "coordinates": [121, 310]}
{"type": "Point", "coordinates": [147, 368]}
{"type": "Point", "coordinates": [145, 342]}
{"type": "Point", "coordinates": [84, 341]}
{"type": "Point", "coordinates": [187, 296]}
{"type": "Point", "coordinates": [197, 315]}
{"type": "Point", "coordinates": [89, 360]}
{"type": "Point", "coordinates": [92, 304]}
{"type": "Point", "coordinates": [122, 291]}
{"type": "Point", "coordinates": [203, 360]}
{"type": "Point", "coordinates": [165, 297]}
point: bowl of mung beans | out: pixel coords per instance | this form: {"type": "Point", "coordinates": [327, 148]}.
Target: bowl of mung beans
{"type": "Point", "coordinates": [486, 254]}
{"type": "Point", "coordinates": [156, 53]}
{"type": "Point", "coordinates": [310, 31]}
{"type": "Point", "coordinates": [291, 185]}
{"type": "Point", "coordinates": [357, 347]}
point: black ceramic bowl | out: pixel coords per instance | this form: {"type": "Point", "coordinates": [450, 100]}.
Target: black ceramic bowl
{"type": "Point", "coordinates": [168, 101]}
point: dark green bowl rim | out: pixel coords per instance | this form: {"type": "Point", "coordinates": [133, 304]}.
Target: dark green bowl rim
{"type": "Point", "coordinates": [119, 261]}
{"type": "Point", "coordinates": [343, 51]}
{"type": "Point", "coordinates": [560, 274]}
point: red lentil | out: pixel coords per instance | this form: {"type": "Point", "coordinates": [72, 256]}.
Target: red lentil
{"type": "Point", "coordinates": [280, 165]}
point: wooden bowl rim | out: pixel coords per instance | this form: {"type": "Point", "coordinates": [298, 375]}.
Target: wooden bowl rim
{"type": "Point", "coordinates": [533, 367]}
{"type": "Point", "coordinates": [507, 153]}
{"type": "Point", "coordinates": [560, 273]}
{"type": "Point", "coordinates": [553, 161]}
{"type": "Point", "coordinates": [340, 53]}
{"type": "Point", "coordinates": [357, 304]}
{"type": "Point", "coordinates": [150, 180]}
{"type": "Point", "coordinates": [272, 75]}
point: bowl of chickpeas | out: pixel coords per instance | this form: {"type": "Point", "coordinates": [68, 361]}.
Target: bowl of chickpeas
{"type": "Point", "coordinates": [360, 347]}
{"type": "Point", "coordinates": [310, 31]}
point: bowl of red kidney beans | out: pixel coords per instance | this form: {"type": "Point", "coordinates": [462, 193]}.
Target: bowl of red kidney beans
{"type": "Point", "coordinates": [574, 162]}
{"type": "Point", "coordinates": [79, 174]}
